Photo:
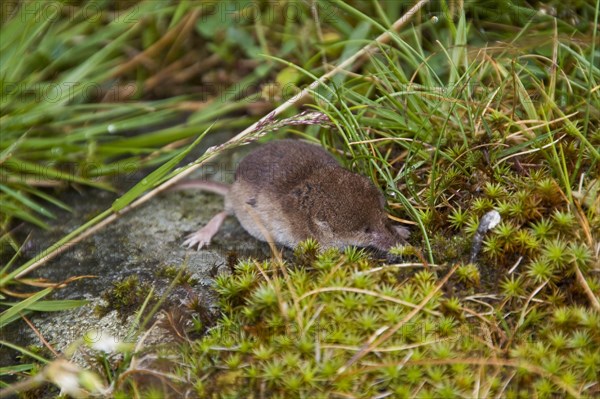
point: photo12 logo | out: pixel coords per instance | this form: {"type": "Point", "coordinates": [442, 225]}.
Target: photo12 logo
{"type": "Point", "coordinates": [266, 12]}
{"type": "Point", "coordinates": [49, 11]}
{"type": "Point", "coordinates": [54, 93]}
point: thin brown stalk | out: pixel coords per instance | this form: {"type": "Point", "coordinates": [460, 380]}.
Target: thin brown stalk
{"type": "Point", "coordinates": [40, 336]}
{"type": "Point", "coordinates": [155, 48]}
{"type": "Point", "coordinates": [586, 288]}
{"type": "Point", "coordinates": [367, 292]}
{"type": "Point", "coordinates": [532, 368]}
{"type": "Point", "coordinates": [369, 347]}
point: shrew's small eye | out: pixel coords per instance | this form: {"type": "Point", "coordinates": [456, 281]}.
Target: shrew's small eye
{"type": "Point", "coordinates": [367, 230]}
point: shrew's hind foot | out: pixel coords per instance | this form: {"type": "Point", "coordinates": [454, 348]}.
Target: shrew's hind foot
{"type": "Point", "coordinates": [202, 237]}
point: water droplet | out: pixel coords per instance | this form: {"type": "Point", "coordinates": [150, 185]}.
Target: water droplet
{"type": "Point", "coordinates": [111, 128]}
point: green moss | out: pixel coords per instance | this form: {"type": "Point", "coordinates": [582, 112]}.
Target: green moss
{"type": "Point", "coordinates": [183, 276]}
{"type": "Point", "coordinates": [125, 297]}
{"type": "Point", "coordinates": [468, 274]}
{"type": "Point", "coordinates": [292, 334]}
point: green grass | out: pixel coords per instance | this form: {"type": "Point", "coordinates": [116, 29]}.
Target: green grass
{"type": "Point", "coordinates": [486, 107]}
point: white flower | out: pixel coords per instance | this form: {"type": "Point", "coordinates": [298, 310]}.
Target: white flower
{"type": "Point", "coordinates": [65, 375]}
{"type": "Point", "coordinates": [101, 341]}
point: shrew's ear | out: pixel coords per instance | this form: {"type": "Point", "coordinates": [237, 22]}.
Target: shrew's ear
{"type": "Point", "coordinates": [302, 194]}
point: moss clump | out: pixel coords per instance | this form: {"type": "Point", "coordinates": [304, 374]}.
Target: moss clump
{"type": "Point", "coordinates": [294, 333]}
{"type": "Point", "coordinates": [183, 276]}
{"type": "Point", "coordinates": [125, 297]}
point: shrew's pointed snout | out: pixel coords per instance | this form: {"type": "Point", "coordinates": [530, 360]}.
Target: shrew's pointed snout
{"type": "Point", "coordinates": [387, 237]}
